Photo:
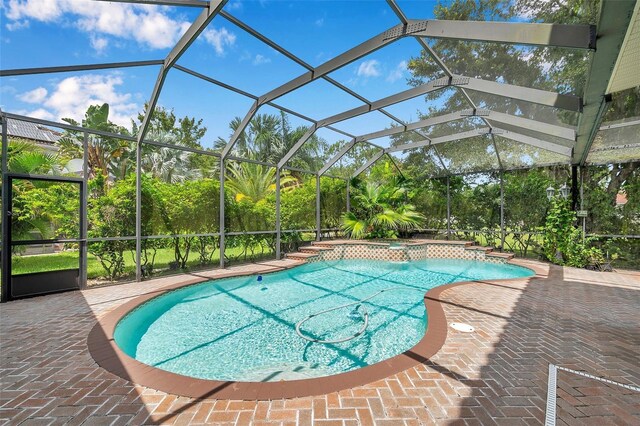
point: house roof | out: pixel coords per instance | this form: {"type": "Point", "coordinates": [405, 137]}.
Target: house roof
{"type": "Point", "coordinates": [32, 131]}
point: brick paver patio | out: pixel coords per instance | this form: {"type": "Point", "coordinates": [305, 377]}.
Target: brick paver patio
{"type": "Point", "coordinates": [497, 375]}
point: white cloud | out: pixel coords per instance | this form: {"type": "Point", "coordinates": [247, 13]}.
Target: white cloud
{"type": "Point", "coordinates": [34, 96]}
{"type": "Point", "coordinates": [17, 25]}
{"type": "Point", "coordinates": [368, 69]}
{"type": "Point", "coordinates": [319, 22]}
{"type": "Point", "coordinates": [397, 72]}
{"type": "Point", "coordinates": [260, 59]}
{"type": "Point", "coordinates": [234, 5]}
{"type": "Point", "coordinates": [71, 97]}
{"type": "Point", "coordinates": [99, 43]}
{"type": "Point", "coordinates": [219, 39]}
{"type": "Point", "coordinates": [41, 10]}
{"type": "Point", "coordinates": [148, 25]}
{"type": "Point", "coordinates": [40, 113]}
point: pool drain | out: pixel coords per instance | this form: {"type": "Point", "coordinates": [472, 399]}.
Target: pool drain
{"type": "Point", "coordinates": [465, 328]}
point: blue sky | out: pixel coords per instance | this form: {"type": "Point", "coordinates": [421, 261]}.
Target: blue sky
{"type": "Point", "coordinates": [40, 33]}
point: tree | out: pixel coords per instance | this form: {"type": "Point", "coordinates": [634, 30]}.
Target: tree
{"type": "Point", "coordinates": [187, 131]}
{"type": "Point", "coordinates": [268, 138]}
{"type": "Point", "coordinates": [166, 164]}
{"type": "Point", "coordinates": [25, 157]}
{"type": "Point", "coordinates": [105, 155]}
{"type": "Point", "coordinates": [254, 181]}
{"type": "Point", "coordinates": [381, 211]}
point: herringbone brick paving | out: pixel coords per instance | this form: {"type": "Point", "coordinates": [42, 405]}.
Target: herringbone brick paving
{"type": "Point", "coordinates": [497, 375]}
{"type": "Point", "coordinates": [581, 400]}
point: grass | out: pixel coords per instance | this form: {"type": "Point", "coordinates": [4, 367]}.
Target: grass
{"type": "Point", "coordinates": [69, 260]}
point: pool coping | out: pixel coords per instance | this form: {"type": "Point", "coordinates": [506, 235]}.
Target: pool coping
{"type": "Point", "coordinates": [108, 355]}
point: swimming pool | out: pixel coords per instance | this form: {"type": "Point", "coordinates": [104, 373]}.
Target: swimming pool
{"type": "Point", "coordinates": [243, 329]}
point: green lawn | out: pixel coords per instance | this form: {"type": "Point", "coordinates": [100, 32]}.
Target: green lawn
{"type": "Point", "coordinates": [69, 260]}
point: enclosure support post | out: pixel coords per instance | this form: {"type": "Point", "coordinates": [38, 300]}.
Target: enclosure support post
{"type": "Point", "coordinates": [348, 195]}
{"type": "Point", "coordinates": [6, 250]}
{"type": "Point", "coordinates": [318, 230]}
{"type": "Point", "coordinates": [221, 212]}
{"type": "Point", "coordinates": [5, 145]}
{"type": "Point", "coordinates": [138, 211]}
{"type": "Point", "coordinates": [448, 209]}
{"type": "Point", "coordinates": [574, 187]}
{"type": "Point", "coordinates": [278, 226]}
{"type": "Point", "coordinates": [502, 231]}
{"type": "Point", "coordinates": [584, 219]}
{"type": "Point", "coordinates": [84, 212]}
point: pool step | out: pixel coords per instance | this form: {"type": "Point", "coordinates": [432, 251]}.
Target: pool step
{"type": "Point", "coordinates": [300, 255]}
{"type": "Point", "coordinates": [315, 249]}
{"type": "Point", "coordinates": [507, 256]}
{"type": "Point", "coordinates": [480, 248]}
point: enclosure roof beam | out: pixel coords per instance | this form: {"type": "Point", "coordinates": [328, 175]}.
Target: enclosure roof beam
{"type": "Point", "coordinates": [393, 161]}
{"type": "Point", "coordinates": [342, 132]}
{"type": "Point", "coordinates": [401, 16]}
{"type": "Point", "coordinates": [567, 133]}
{"type": "Point", "coordinates": [536, 96]}
{"type": "Point", "coordinates": [431, 86]}
{"type": "Point", "coordinates": [337, 157]}
{"type": "Point", "coordinates": [182, 148]}
{"type": "Point", "coordinates": [354, 112]}
{"type": "Point", "coordinates": [615, 17]}
{"type": "Point", "coordinates": [524, 123]}
{"type": "Point", "coordinates": [68, 126]}
{"type": "Point", "coordinates": [535, 142]}
{"type": "Point", "coordinates": [431, 121]}
{"type": "Point", "coordinates": [369, 163]}
{"type": "Point", "coordinates": [485, 131]}
{"type": "Point", "coordinates": [312, 129]}
{"type": "Point", "coordinates": [442, 139]}
{"type": "Point", "coordinates": [297, 60]}
{"type": "Point", "coordinates": [331, 65]}
{"type": "Point", "coordinates": [337, 62]}
{"type": "Point", "coordinates": [198, 25]}
{"type": "Point", "coordinates": [506, 169]}
{"type": "Point", "coordinates": [536, 34]}
{"type": "Point", "coordinates": [240, 92]}
{"type": "Point", "coordinates": [74, 68]}
{"type": "Point", "coordinates": [619, 125]}
{"type": "Point", "coordinates": [214, 81]}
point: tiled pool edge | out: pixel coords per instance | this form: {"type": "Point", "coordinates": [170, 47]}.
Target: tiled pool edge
{"type": "Point", "coordinates": [108, 355]}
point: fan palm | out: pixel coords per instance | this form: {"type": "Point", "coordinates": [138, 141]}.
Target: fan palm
{"type": "Point", "coordinates": [26, 157]}
{"type": "Point", "coordinates": [166, 164]}
{"type": "Point", "coordinates": [381, 212]}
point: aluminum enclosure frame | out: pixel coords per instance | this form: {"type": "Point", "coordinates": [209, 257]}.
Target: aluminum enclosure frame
{"type": "Point", "coordinates": [568, 36]}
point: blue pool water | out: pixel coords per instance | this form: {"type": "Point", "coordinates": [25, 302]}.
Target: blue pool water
{"type": "Point", "coordinates": [243, 329]}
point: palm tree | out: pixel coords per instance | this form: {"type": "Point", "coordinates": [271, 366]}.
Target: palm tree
{"type": "Point", "coordinates": [269, 138]}
{"type": "Point", "coordinates": [166, 164]}
{"type": "Point", "coordinates": [380, 212]}
{"type": "Point", "coordinates": [255, 181]}
{"type": "Point", "coordinates": [26, 157]}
